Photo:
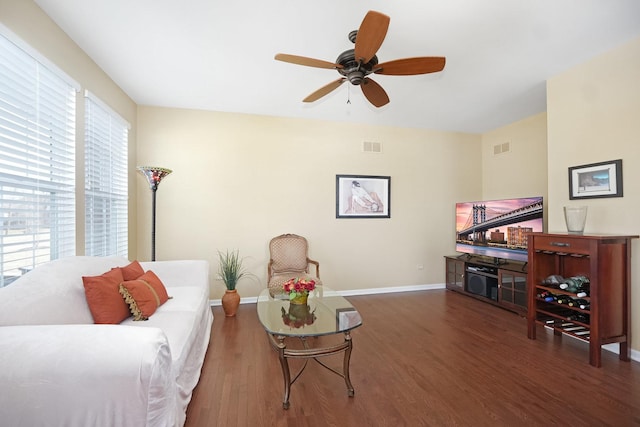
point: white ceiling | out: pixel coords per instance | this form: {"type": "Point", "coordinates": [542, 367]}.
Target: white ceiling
{"type": "Point", "coordinates": [218, 55]}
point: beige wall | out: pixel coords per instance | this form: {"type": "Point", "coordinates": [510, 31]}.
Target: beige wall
{"type": "Point", "coordinates": [593, 116]}
{"type": "Point", "coordinates": [240, 180]}
{"type": "Point", "coordinates": [521, 171]}
{"type": "Point", "coordinates": [27, 21]}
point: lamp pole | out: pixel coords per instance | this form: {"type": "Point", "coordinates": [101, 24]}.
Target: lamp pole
{"type": "Point", "coordinates": [154, 175]}
{"type": "Point", "coordinates": [153, 223]}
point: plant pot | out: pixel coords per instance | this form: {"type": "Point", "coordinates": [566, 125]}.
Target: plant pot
{"type": "Point", "coordinates": [230, 302]}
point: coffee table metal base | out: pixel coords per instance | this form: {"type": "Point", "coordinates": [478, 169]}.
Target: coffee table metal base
{"type": "Point", "coordinates": [284, 353]}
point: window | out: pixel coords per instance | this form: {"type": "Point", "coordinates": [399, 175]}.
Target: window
{"type": "Point", "coordinates": [37, 161]}
{"type": "Point", "coordinates": [106, 180]}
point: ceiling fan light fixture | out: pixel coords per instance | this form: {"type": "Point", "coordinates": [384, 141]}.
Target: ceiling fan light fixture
{"type": "Point", "coordinates": [356, 77]}
{"type": "Point", "coordinates": [356, 64]}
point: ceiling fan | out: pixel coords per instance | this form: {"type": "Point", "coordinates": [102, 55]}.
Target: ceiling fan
{"type": "Point", "coordinates": [356, 64]}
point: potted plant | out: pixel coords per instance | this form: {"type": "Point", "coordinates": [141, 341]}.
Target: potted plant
{"type": "Point", "coordinates": [231, 271]}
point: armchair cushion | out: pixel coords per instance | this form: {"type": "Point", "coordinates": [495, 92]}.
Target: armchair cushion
{"type": "Point", "coordinates": [277, 280]}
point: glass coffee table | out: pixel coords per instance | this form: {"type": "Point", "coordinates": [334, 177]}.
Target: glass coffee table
{"type": "Point", "coordinates": [326, 313]}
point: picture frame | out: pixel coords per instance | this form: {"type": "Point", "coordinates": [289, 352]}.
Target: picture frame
{"type": "Point", "coordinates": [596, 180]}
{"type": "Point", "coordinates": [363, 196]}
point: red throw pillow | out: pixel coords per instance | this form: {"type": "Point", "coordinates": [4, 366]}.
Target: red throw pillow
{"type": "Point", "coordinates": [132, 271]}
{"type": "Point", "coordinates": [151, 278]}
{"type": "Point", "coordinates": [104, 299]}
{"type": "Point", "coordinates": [144, 295]}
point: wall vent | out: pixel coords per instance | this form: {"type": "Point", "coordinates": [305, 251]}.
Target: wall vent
{"type": "Point", "coordinates": [372, 147]}
{"type": "Point", "coordinates": [505, 147]}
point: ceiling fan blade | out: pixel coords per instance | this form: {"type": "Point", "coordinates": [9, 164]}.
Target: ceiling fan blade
{"type": "Point", "coordinates": [411, 66]}
{"type": "Point", "coordinates": [374, 92]}
{"type": "Point", "coordinates": [309, 62]}
{"type": "Point", "coordinates": [324, 90]}
{"type": "Point", "coordinates": [371, 34]}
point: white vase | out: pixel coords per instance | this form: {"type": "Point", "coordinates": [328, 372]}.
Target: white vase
{"type": "Point", "coordinates": [575, 217]}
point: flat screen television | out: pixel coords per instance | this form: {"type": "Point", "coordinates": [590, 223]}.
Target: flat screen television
{"type": "Point", "coordinates": [497, 228]}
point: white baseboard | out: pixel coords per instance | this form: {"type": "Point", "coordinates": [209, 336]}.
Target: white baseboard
{"type": "Point", "coordinates": [369, 291]}
{"type": "Point", "coordinates": [614, 348]}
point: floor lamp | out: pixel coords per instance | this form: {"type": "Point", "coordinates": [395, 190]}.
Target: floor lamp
{"type": "Point", "coordinates": [154, 175]}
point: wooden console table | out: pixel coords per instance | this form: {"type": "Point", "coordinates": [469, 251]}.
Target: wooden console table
{"type": "Point", "coordinates": [606, 261]}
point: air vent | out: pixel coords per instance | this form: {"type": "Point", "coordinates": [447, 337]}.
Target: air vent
{"type": "Point", "coordinates": [505, 147]}
{"type": "Point", "coordinates": [372, 147]}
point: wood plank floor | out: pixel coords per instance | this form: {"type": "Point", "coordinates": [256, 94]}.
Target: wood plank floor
{"type": "Point", "coordinates": [431, 358]}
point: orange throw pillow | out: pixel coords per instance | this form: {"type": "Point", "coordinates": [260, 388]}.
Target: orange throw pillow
{"type": "Point", "coordinates": [104, 299]}
{"type": "Point", "coordinates": [132, 271]}
{"type": "Point", "coordinates": [144, 295]}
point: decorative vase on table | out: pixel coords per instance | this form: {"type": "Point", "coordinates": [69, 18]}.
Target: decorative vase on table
{"type": "Point", "coordinates": [300, 299]}
{"type": "Point", "coordinates": [575, 217]}
{"type": "Point", "coordinates": [298, 289]}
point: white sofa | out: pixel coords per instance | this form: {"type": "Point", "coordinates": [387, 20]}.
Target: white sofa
{"type": "Point", "coordinates": [58, 368]}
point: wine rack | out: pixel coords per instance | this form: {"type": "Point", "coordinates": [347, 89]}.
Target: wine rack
{"type": "Point", "coordinates": [605, 261]}
{"type": "Point", "coordinates": [570, 320]}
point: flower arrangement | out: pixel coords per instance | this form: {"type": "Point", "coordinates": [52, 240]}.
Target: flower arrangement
{"type": "Point", "coordinates": [298, 289]}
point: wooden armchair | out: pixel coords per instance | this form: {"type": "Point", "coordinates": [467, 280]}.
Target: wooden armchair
{"type": "Point", "coordinates": [289, 258]}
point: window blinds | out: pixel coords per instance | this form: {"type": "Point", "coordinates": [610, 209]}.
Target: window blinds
{"type": "Point", "coordinates": [37, 163]}
{"type": "Point", "coordinates": [106, 180]}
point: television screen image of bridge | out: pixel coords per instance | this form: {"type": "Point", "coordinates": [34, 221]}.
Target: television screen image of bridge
{"type": "Point", "coordinates": [499, 223]}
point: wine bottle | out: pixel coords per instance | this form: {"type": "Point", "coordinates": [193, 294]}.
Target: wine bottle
{"type": "Point", "coordinates": [581, 279]}
{"type": "Point", "coordinates": [542, 295]}
{"type": "Point", "coordinates": [579, 317]}
{"type": "Point", "coordinates": [569, 284]}
{"type": "Point", "coordinates": [562, 299]}
{"type": "Point", "coordinates": [574, 283]}
{"type": "Point", "coordinates": [583, 286]}
{"type": "Point", "coordinates": [583, 292]}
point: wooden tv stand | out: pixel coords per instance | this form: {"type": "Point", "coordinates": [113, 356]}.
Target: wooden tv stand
{"type": "Point", "coordinates": [503, 284]}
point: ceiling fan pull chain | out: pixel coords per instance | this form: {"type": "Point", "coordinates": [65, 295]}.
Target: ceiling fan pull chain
{"type": "Point", "coordinates": [348, 94]}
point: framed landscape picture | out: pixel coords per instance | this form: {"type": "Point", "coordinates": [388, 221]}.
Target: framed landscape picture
{"type": "Point", "coordinates": [596, 180]}
{"type": "Point", "coordinates": [363, 196]}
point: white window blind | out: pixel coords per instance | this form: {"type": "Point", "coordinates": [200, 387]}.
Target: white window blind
{"type": "Point", "coordinates": [106, 180]}
{"type": "Point", "coordinates": [37, 163]}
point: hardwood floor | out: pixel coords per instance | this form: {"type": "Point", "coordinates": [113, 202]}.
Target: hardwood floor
{"type": "Point", "coordinates": [432, 358]}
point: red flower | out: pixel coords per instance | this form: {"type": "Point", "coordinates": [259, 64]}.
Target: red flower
{"type": "Point", "coordinates": [299, 286]}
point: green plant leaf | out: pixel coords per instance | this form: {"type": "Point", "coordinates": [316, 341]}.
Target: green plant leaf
{"type": "Point", "coordinates": [230, 268]}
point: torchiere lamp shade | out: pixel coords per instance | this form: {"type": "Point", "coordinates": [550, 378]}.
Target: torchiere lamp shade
{"type": "Point", "coordinates": [154, 175]}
